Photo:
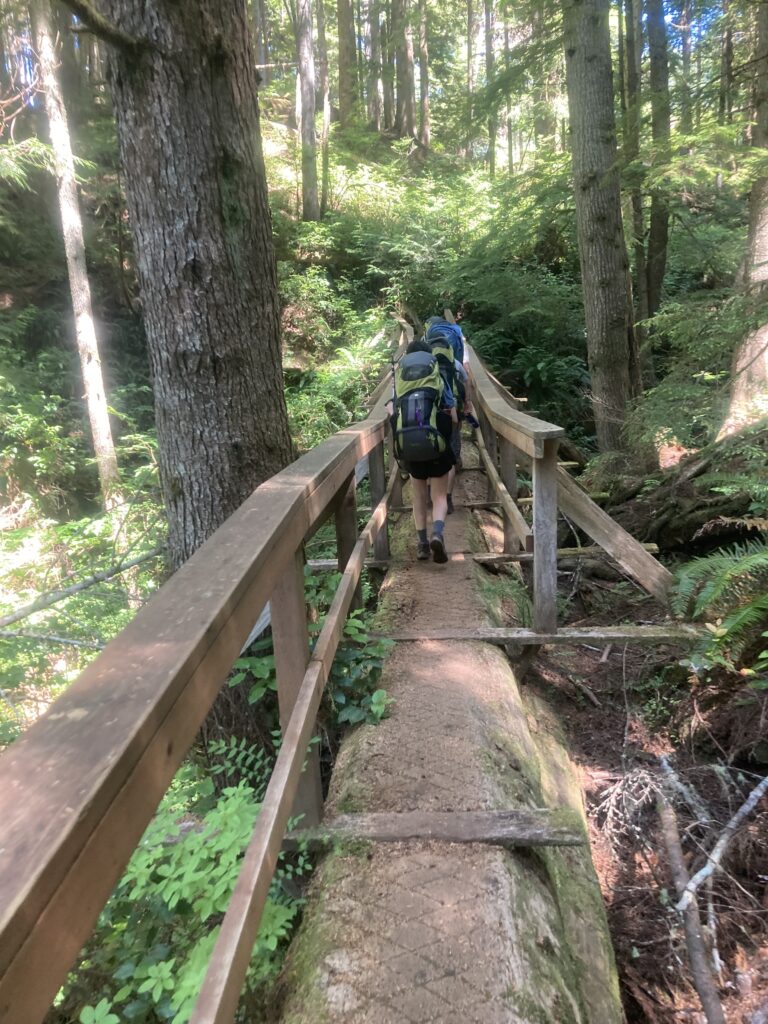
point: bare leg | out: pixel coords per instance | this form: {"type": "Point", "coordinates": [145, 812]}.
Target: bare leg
{"type": "Point", "coordinates": [439, 486]}
{"type": "Point", "coordinates": [419, 493]}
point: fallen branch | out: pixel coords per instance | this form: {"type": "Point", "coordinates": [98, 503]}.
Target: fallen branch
{"type": "Point", "coordinates": [45, 638]}
{"type": "Point", "coordinates": [694, 940]}
{"type": "Point", "coordinates": [54, 596]}
{"type": "Point", "coordinates": [715, 857]}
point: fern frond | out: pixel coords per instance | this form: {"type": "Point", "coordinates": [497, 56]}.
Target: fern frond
{"type": "Point", "coordinates": [712, 576]}
{"type": "Point", "coordinates": [741, 627]}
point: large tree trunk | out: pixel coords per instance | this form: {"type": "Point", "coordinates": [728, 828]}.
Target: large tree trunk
{"type": "Point", "coordinates": [188, 127]}
{"type": "Point", "coordinates": [74, 248]}
{"type": "Point", "coordinates": [388, 68]}
{"type": "Point", "coordinates": [725, 90]}
{"type": "Point", "coordinates": [425, 130]}
{"type": "Point", "coordinates": [604, 269]}
{"type": "Point", "coordinates": [325, 88]}
{"type": "Point", "coordinates": [509, 124]}
{"type": "Point", "coordinates": [374, 77]}
{"type": "Point", "coordinates": [259, 9]}
{"type": "Point", "coordinates": [490, 64]}
{"type": "Point", "coordinates": [347, 61]}
{"type": "Point", "coordinates": [470, 76]}
{"type": "Point", "coordinates": [749, 372]}
{"type": "Point", "coordinates": [405, 120]}
{"type": "Point", "coordinates": [660, 113]}
{"type": "Point", "coordinates": [633, 26]}
{"type": "Point", "coordinates": [310, 204]}
{"type": "Point", "coordinates": [686, 104]}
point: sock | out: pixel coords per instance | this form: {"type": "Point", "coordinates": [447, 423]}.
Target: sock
{"type": "Point", "coordinates": [422, 535]}
{"type": "Point", "coordinates": [438, 527]}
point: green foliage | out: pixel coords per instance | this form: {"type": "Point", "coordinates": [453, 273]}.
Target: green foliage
{"type": "Point", "coordinates": [148, 954]}
{"type": "Point", "coordinates": [730, 586]}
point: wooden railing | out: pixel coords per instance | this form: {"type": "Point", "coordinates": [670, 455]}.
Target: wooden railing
{"type": "Point", "coordinates": [79, 788]}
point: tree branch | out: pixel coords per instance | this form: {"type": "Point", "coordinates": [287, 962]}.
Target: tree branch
{"type": "Point", "coordinates": [9, 634]}
{"type": "Point", "coordinates": [103, 27]}
{"type": "Point", "coordinates": [54, 596]}
{"type": "Point", "coordinates": [714, 858]}
{"type": "Point", "coordinates": [694, 940]}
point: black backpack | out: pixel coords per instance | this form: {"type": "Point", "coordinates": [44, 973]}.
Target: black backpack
{"type": "Point", "coordinates": [418, 396]}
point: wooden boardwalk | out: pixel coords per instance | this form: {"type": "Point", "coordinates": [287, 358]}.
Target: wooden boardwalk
{"type": "Point", "coordinates": [78, 789]}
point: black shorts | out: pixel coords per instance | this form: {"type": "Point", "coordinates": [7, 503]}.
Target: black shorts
{"type": "Point", "coordinates": [434, 468]}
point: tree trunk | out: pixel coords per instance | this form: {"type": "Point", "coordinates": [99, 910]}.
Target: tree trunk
{"type": "Point", "coordinates": [749, 371]}
{"type": "Point", "coordinates": [405, 120]}
{"type": "Point", "coordinates": [74, 248]}
{"type": "Point", "coordinates": [374, 79]}
{"type": "Point", "coordinates": [604, 268]}
{"type": "Point", "coordinates": [310, 204]}
{"type": "Point", "coordinates": [660, 115]}
{"type": "Point", "coordinates": [725, 91]}
{"type": "Point", "coordinates": [388, 69]}
{"type": "Point", "coordinates": [410, 75]}
{"type": "Point", "coordinates": [510, 126]}
{"type": "Point", "coordinates": [633, 25]}
{"type": "Point", "coordinates": [260, 38]}
{"type": "Point", "coordinates": [325, 88]}
{"type": "Point", "coordinates": [686, 105]}
{"type": "Point", "coordinates": [490, 65]}
{"type": "Point", "coordinates": [347, 61]}
{"type": "Point", "coordinates": [470, 75]}
{"type": "Point", "coordinates": [197, 199]}
{"type": "Point", "coordinates": [425, 130]}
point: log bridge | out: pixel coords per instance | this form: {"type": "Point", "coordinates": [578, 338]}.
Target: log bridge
{"type": "Point", "coordinates": [79, 788]}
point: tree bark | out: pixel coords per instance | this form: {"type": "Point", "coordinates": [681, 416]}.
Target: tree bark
{"type": "Point", "coordinates": [405, 121]}
{"type": "Point", "coordinates": [259, 10]}
{"type": "Point", "coordinates": [749, 371]}
{"type": "Point", "coordinates": [388, 68]}
{"type": "Point", "coordinates": [686, 105]}
{"type": "Point", "coordinates": [374, 78]}
{"type": "Point", "coordinates": [490, 65]}
{"type": "Point", "coordinates": [660, 117]}
{"type": "Point", "coordinates": [509, 124]}
{"type": "Point", "coordinates": [347, 61]}
{"type": "Point", "coordinates": [725, 90]}
{"type": "Point", "coordinates": [188, 127]}
{"type": "Point", "coordinates": [410, 74]}
{"type": "Point", "coordinates": [604, 268]}
{"type": "Point", "coordinates": [325, 88]}
{"type": "Point", "coordinates": [470, 75]}
{"type": "Point", "coordinates": [74, 248]}
{"type": "Point", "coordinates": [310, 204]}
{"type": "Point", "coordinates": [425, 128]}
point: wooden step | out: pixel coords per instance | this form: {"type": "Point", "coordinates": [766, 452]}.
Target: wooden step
{"type": "Point", "coordinates": [520, 827]}
{"type": "Point", "coordinates": [674, 632]}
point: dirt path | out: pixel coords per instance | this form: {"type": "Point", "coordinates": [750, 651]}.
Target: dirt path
{"type": "Point", "coordinates": [418, 932]}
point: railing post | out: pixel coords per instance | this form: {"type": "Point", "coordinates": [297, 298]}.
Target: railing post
{"type": "Point", "coordinates": [545, 539]}
{"type": "Point", "coordinates": [291, 645]}
{"type": "Point", "coordinates": [346, 531]}
{"type": "Point", "coordinates": [397, 490]}
{"type": "Point", "coordinates": [491, 446]}
{"type": "Point", "coordinates": [508, 472]}
{"type": "Point", "coordinates": [377, 475]}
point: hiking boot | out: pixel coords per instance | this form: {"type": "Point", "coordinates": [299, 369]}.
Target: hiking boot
{"type": "Point", "coordinates": [450, 505]}
{"type": "Point", "coordinates": [422, 552]}
{"type": "Point", "coordinates": [438, 549]}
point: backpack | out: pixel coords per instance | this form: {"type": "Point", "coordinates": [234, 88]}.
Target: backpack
{"type": "Point", "coordinates": [438, 337]}
{"type": "Point", "coordinates": [418, 392]}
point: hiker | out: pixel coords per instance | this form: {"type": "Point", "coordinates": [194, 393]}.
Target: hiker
{"type": "Point", "coordinates": [446, 341]}
{"type": "Point", "coordinates": [423, 416]}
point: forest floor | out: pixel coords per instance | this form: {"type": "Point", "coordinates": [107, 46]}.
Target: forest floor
{"type": "Point", "coordinates": [624, 709]}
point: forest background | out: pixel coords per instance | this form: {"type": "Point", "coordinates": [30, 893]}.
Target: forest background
{"type": "Point", "coordinates": [603, 240]}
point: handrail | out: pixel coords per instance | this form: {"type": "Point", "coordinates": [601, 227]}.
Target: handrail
{"type": "Point", "coordinates": [78, 789]}
{"type": "Point", "coordinates": [80, 786]}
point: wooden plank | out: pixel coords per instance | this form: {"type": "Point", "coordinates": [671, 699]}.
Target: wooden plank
{"type": "Point", "coordinates": [525, 432]}
{"type": "Point", "coordinates": [508, 474]}
{"type": "Point", "coordinates": [77, 790]}
{"type": "Point", "coordinates": [629, 553]}
{"type": "Point", "coordinates": [525, 556]}
{"type": "Point", "coordinates": [227, 967]}
{"type": "Point", "coordinates": [332, 564]}
{"type": "Point", "coordinates": [291, 647]}
{"type": "Point", "coordinates": [378, 478]}
{"type": "Point", "coordinates": [545, 539]}
{"type": "Point", "coordinates": [674, 632]}
{"type": "Point", "coordinates": [509, 828]}
{"type": "Point", "coordinates": [346, 531]}
{"type": "Point", "coordinates": [513, 513]}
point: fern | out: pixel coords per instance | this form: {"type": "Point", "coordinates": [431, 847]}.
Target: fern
{"type": "Point", "coordinates": [733, 584]}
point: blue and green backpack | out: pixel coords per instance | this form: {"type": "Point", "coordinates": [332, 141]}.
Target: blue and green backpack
{"type": "Point", "coordinates": [417, 400]}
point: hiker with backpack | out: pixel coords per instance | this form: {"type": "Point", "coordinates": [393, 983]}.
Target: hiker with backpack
{"type": "Point", "coordinates": [446, 342]}
{"type": "Point", "coordinates": [423, 416]}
